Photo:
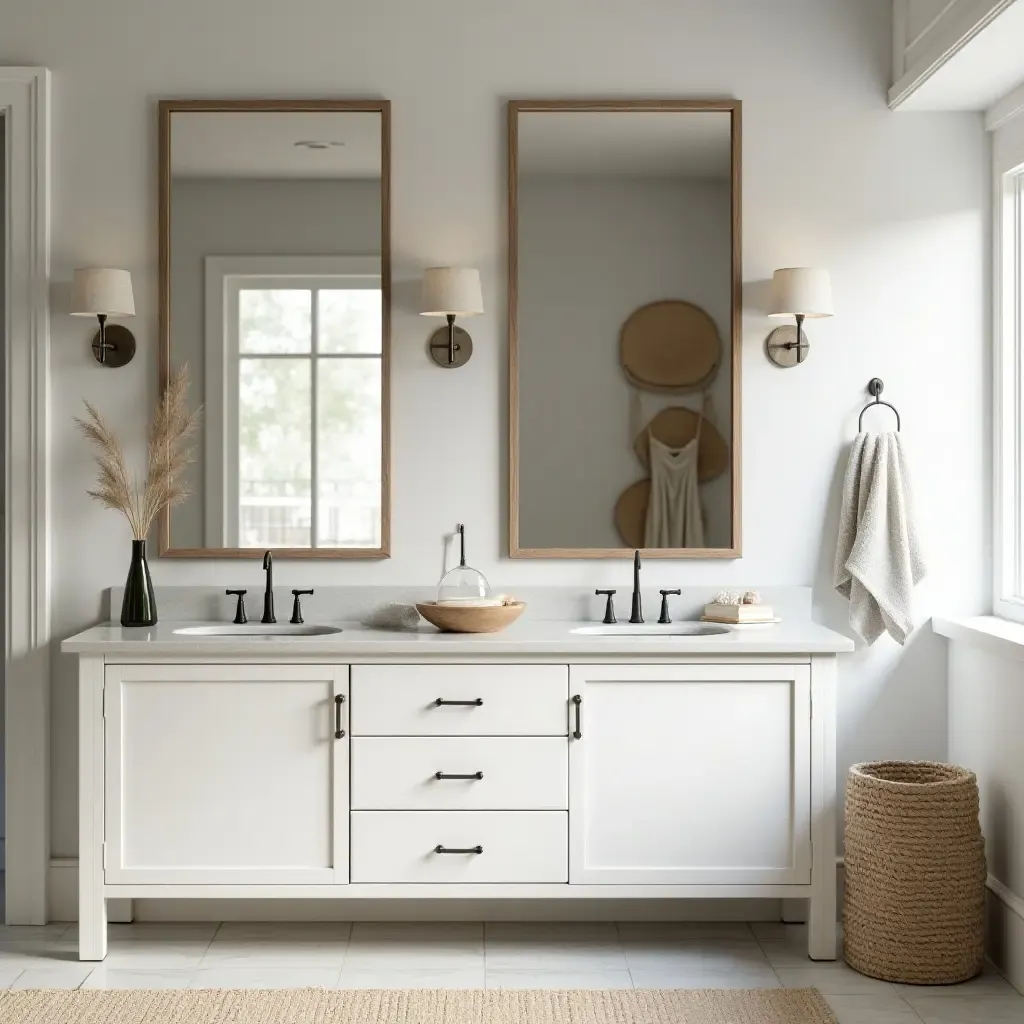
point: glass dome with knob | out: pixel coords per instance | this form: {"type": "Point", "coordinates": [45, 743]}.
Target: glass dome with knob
{"type": "Point", "coordinates": [465, 586]}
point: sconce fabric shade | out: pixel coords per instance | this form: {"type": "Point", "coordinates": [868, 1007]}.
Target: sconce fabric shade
{"type": "Point", "coordinates": [101, 291]}
{"type": "Point", "coordinates": [801, 291]}
{"type": "Point", "coordinates": [451, 291]}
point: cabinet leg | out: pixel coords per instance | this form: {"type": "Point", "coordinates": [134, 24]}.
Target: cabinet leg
{"type": "Point", "coordinates": [794, 911]}
{"type": "Point", "coordinates": [120, 911]}
{"type": "Point", "coordinates": [92, 907]}
{"type": "Point", "coordinates": [92, 927]}
{"type": "Point", "coordinates": [821, 942]}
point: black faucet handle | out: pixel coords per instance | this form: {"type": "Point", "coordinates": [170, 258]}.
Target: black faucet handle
{"type": "Point", "coordinates": [664, 619]}
{"type": "Point", "coordinates": [609, 608]}
{"type": "Point", "coordinates": [296, 619]}
{"type": "Point", "coordinates": [240, 617]}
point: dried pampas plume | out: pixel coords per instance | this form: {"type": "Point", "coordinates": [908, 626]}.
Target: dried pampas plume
{"type": "Point", "coordinates": [168, 454]}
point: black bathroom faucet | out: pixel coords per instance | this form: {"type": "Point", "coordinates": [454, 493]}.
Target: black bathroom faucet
{"type": "Point", "coordinates": [268, 597]}
{"type": "Point", "coordinates": [637, 613]}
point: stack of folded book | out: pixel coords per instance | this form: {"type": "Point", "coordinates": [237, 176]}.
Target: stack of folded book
{"type": "Point", "coordinates": [738, 614]}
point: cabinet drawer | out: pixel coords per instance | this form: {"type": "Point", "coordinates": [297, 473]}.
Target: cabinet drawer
{"type": "Point", "coordinates": [517, 846]}
{"type": "Point", "coordinates": [527, 773]}
{"type": "Point", "coordinates": [502, 700]}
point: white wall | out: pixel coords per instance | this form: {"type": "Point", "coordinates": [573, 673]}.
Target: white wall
{"type": "Point", "coordinates": [3, 441]}
{"type": "Point", "coordinates": [896, 206]}
{"type": "Point", "coordinates": [215, 217]}
{"type": "Point", "coordinates": [986, 709]}
{"type": "Point", "coordinates": [591, 251]}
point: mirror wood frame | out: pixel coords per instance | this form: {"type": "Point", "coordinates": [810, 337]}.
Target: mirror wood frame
{"type": "Point", "coordinates": [383, 107]}
{"type": "Point", "coordinates": [732, 107]}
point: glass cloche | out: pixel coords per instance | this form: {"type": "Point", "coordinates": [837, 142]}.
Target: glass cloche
{"type": "Point", "coordinates": [464, 585]}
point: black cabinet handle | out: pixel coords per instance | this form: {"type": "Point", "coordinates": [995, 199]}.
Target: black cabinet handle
{"type": "Point", "coordinates": [338, 731]}
{"type": "Point", "coordinates": [460, 703]}
{"type": "Point", "coordinates": [471, 849]}
{"type": "Point", "coordinates": [578, 732]}
{"type": "Point", "coordinates": [447, 775]}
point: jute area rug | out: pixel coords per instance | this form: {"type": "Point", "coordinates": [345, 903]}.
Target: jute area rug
{"type": "Point", "coordinates": [447, 1006]}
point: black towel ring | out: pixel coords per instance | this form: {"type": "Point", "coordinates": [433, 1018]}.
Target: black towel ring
{"type": "Point", "coordinates": [875, 388]}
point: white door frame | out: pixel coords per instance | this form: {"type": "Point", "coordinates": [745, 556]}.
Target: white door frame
{"type": "Point", "coordinates": [25, 106]}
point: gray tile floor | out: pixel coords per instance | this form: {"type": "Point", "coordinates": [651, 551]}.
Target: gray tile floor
{"type": "Point", "coordinates": [494, 955]}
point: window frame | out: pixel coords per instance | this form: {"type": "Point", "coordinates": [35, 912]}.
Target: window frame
{"type": "Point", "coordinates": [1008, 367]}
{"type": "Point", "coordinates": [225, 277]}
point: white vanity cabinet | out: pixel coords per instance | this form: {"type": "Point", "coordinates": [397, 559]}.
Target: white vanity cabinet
{"type": "Point", "coordinates": [686, 774]}
{"type": "Point", "coordinates": [353, 773]}
{"type": "Point", "coordinates": [229, 774]}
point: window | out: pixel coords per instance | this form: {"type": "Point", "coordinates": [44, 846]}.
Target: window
{"type": "Point", "coordinates": [297, 436]}
{"type": "Point", "coordinates": [1008, 405]}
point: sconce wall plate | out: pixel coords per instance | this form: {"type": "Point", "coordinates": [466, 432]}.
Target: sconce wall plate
{"type": "Point", "coordinates": [119, 343]}
{"type": "Point", "coordinates": [787, 346]}
{"type": "Point", "coordinates": [438, 346]}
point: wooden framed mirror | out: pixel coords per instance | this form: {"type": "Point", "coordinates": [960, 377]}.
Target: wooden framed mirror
{"type": "Point", "coordinates": [624, 328]}
{"type": "Point", "coordinates": [275, 286]}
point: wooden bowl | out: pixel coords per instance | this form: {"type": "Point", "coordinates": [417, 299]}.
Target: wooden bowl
{"type": "Point", "coordinates": [453, 619]}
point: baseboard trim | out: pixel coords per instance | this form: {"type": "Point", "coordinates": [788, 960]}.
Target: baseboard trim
{"type": "Point", "coordinates": [62, 904]}
{"type": "Point", "coordinates": [1004, 939]}
{"type": "Point", "coordinates": [1006, 895]}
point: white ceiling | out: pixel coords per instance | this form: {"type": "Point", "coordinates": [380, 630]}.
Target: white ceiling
{"type": "Point", "coordinates": [647, 144]}
{"type": "Point", "coordinates": [261, 144]}
{"type": "Point", "coordinates": [978, 74]}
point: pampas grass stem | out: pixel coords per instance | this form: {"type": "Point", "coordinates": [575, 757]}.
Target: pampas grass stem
{"type": "Point", "coordinates": [167, 454]}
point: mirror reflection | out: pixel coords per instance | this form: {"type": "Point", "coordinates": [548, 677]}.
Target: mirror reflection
{"type": "Point", "coordinates": [624, 403]}
{"type": "Point", "coordinates": [275, 295]}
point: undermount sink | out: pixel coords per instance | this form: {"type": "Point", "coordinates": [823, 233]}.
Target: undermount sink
{"type": "Point", "coordinates": [258, 629]}
{"type": "Point", "coordinates": [654, 629]}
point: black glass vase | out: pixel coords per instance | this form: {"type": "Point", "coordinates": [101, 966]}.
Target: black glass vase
{"type": "Point", "coordinates": [139, 605]}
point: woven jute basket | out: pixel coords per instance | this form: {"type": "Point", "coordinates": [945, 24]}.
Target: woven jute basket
{"type": "Point", "coordinates": [915, 873]}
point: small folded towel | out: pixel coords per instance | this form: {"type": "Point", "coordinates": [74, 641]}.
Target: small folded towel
{"type": "Point", "coordinates": [878, 557]}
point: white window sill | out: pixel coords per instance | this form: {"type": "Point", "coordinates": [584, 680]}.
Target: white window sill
{"type": "Point", "coordinates": [992, 634]}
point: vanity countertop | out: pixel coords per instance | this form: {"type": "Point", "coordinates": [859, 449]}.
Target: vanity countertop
{"type": "Point", "coordinates": [537, 637]}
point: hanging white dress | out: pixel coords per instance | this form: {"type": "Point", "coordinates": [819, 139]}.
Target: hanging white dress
{"type": "Point", "coordinates": [674, 516]}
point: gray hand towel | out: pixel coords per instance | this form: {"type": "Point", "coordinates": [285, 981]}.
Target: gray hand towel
{"type": "Point", "coordinates": [878, 557]}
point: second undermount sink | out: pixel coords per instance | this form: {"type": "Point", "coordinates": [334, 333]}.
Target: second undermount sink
{"type": "Point", "coordinates": [259, 629]}
{"type": "Point", "coordinates": [674, 629]}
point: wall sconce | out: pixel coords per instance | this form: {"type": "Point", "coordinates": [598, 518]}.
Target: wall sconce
{"type": "Point", "coordinates": [451, 292]}
{"type": "Point", "coordinates": [102, 293]}
{"type": "Point", "coordinates": [798, 292]}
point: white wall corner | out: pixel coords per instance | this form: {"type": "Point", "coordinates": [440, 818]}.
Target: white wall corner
{"type": "Point", "coordinates": [1006, 109]}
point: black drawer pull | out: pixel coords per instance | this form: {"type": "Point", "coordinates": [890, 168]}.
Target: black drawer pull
{"type": "Point", "coordinates": [459, 703]}
{"type": "Point", "coordinates": [578, 732]}
{"type": "Point", "coordinates": [338, 731]}
{"type": "Point", "coordinates": [444, 849]}
{"type": "Point", "coordinates": [446, 775]}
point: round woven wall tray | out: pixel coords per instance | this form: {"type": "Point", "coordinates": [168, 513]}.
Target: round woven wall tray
{"type": "Point", "coordinates": [676, 427]}
{"type": "Point", "coordinates": [631, 513]}
{"type": "Point", "coordinates": [670, 346]}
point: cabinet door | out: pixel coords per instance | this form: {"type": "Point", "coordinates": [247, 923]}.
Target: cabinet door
{"type": "Point", "coordinates": [226, 774]}
{"type": "Point", "coordinates": [690, 774]}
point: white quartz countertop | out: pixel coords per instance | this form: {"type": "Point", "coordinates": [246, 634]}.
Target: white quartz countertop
{"type": "Point", "coordinates": [527, 637]}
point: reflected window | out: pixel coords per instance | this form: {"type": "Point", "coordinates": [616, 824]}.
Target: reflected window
{"type": "Point", "coordinates": [302, 435]}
